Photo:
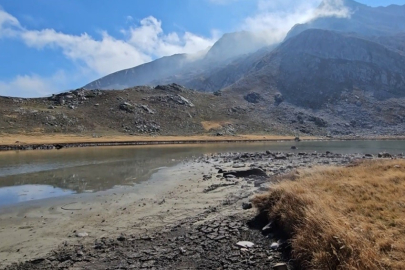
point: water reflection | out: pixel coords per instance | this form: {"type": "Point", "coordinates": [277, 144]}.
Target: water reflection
{"type": "Point", "coordinates": [24, 193]}
{"type": "Point", "coordinates": [80, 170]}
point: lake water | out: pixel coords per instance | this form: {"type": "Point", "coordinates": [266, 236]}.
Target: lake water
{"type": "Point", "coordinates": [35, 175]}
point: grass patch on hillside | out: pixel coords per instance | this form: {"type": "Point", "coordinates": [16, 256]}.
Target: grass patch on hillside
{"type": "Point", "coordinates": [212, 125]}
{"type": "Point", "coordinates": [342, 217]}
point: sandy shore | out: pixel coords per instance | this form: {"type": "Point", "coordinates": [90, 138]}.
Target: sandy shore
{"type": "Point", "coordinates": [32, 230]}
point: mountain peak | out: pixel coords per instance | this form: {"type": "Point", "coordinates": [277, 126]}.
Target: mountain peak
{"type": "Point", "coordinates": [234, 44]}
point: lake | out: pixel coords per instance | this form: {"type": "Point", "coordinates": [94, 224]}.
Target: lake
{"type": "Point", "coordinates": [36, 175]}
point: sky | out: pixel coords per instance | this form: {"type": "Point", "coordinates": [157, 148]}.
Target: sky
{"type": "Point", "coordinates": [49, 47]}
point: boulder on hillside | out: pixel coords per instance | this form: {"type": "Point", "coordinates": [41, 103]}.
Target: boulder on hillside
{"type": "Point", "coordinates": [318, 121]}
{"type": "Point", "coordinates": [253, 97]}
{"type": "Point", "coordinates": [278, 98]}
{"type": "Point", "coordinates": [171, 87]}
{"type": "Point", "coordinates": [128, 107]}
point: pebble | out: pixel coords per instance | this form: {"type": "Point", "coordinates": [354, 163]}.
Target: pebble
{"type": "Point", "coordinates": [82, 234]}
{"type": "Point", "coordinates": [274, 245]}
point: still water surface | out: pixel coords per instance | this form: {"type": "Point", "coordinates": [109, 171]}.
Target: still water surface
{"type": "Point", "coordinates": [34, 175]}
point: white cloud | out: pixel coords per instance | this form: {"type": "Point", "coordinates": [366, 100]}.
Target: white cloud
{"type": "Point", "coordinates": [101, 56]}
{"type": "Point", "coordinates": [335, 8]}
{"type": "Point", "coordinates": [8, 24]}
{"type": "Point", "coordinates": [150, 39]}
{"type": "Point", "coordinates": [140, 44]}
{"type": "Point", "coordinates": [34, 85]}
{"type": "Point", "coordinates": [276, 17]}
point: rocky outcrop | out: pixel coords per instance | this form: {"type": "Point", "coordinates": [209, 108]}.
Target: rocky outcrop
{"type": "Point", "coordinates": [253, 97]}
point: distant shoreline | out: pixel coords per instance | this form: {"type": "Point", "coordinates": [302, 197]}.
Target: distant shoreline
{"type": "Point", "coordinates": [11, 142]}
{"type": "Point", "coordinates": [80, 142]}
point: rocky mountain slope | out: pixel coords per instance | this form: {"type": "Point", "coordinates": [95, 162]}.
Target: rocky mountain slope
{"type": "Point", "coordinates": [314, 68]}
{"type": "Point", "coordinates": [175, 110]}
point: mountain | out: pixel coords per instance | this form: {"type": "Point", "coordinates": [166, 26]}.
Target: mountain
{"type": "Point", "coordinates": [142, 74]}
{"type": "Point", "coordinates": [231, 57]}
{"type": "Point", "coordinates": [234, 45]}
{"type": "Point", "coordinates": [360, 19]}
{"type": "Point", "coordinates": [175, 68]}
{"type": "Point", "coordinates": [316, 67]}
{"type": "Point", "coordinates": [332, 75]}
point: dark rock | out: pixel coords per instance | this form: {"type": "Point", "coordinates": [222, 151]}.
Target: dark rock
{"type": "Point", "coordinates": [218, 93]}
{"type": "Point", "coordinates": [280, 156]}
{"type": "Point", "coordinates": [128, 107]}
{"type": "Point", "coordinates": [171, 87]}
{"type": "Point", "coordinates": [318, 121]}
{"type": "Point", "coordinates": [247, 173]}
{"type": "Point", "coordinates": [122, 237]}
{"type": "Point", "coordinates": [59, 146]}
{"type": "Point", "coordinates": [253, 97]}
{"type": "Point", "coordinates": [384, 155]}
{"type": "Point", "coordinates": [278, 98]}
{"type": "Point", "coordinates": [246, 206]}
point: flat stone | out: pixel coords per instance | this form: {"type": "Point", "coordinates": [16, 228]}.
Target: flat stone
{"type": "Point", "coordinates": [245, 244]}
{"type": "Point", "coordinates": [280, 266]}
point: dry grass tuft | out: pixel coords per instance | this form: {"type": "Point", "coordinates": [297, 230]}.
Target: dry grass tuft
{"type": "Point", "coordinates": [343, 218]}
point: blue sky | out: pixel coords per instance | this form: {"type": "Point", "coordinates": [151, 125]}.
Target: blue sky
{"type": "Point", "coordinates": [50, 46]}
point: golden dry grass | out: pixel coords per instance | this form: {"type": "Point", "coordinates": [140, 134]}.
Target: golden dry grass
{"type": "Point", "coordinates": [343, 218]}
{"type": "Point", "coordinates": [210, 125]}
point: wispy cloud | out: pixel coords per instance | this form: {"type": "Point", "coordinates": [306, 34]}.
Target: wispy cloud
{"type": "Point", "coordinates": [274, 18]}
{"type": "Point", "coordinates": [9, 25]}
{"type": "Point", "coordinates": [33, 85]}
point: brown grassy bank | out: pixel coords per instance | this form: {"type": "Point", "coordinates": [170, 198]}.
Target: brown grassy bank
{"type": "Point", "coordinates": [12, 139]}
{"type": "Point", "coordinates": [343, 218]}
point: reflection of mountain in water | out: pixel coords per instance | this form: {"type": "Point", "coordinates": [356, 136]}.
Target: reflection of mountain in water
{"type": "Point", "coordinates": [97, 169]}
{"type": "Point", "coordinates": [120, 167]}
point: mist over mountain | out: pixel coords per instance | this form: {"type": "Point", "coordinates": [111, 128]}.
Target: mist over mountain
{"type": "Point", "coordinates": [361, 19]}
{"type": "Point", "coordinates": [176, 67]}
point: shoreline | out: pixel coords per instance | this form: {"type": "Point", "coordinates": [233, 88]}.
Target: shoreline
{"type": "Point", "coordinates": [17, 142]}
{"type": "Point", "coordinates": [46, 142]}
